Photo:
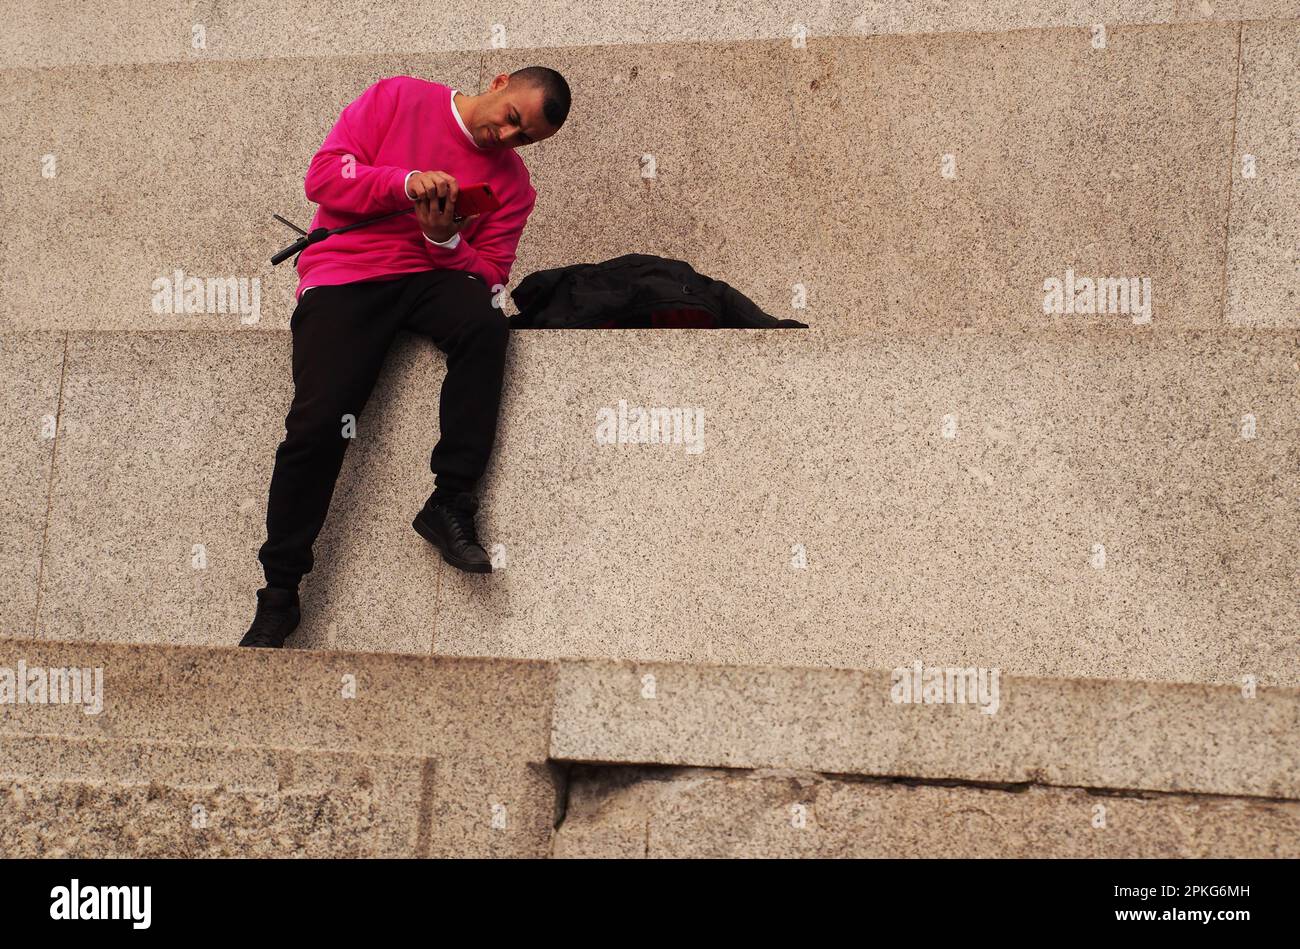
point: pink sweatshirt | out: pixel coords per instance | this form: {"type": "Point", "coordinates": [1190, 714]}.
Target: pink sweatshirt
{"type": "Point", "coordinates": [397, 126]}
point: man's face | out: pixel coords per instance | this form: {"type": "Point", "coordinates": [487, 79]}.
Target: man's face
{"type": "Point", "coordinates": [510, 116]}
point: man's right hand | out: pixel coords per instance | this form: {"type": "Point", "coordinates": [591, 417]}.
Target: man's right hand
{"type": "Point", "coordinates": [435, 206]}
{"type": "Point", "coordinates": [432, 185]}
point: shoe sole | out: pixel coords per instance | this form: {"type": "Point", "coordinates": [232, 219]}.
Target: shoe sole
{"type": "Point", "coordinates": [428, 534]}
{"type": "Point", "coordinates": [243, 645]}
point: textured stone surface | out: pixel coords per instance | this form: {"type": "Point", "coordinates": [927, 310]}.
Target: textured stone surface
{"type": "Point", "coordinates": [729, 193]}
{"type": "Point", "coordinates": [712, 814]}
{"type": "Point", "coordinates": [780, 170]}
{"type": "Point", "coordinates": [1264, 231]}
{"type": "Point", "coordinates": [774, 166]}
{"type": "Point", "coordinates": [170, 167]}
{"type": "Point", "coordinates": [972, 550]}
{"type": "Point", "coordinates": [168, 441]}
{"type": "Point", "coordinates": [70, 32]}
{"type": "Point", "coordinates": [31, 367]}
{"type": "Point", "coordinates": [1102, 734]}
{"type": "Point", "coordinates": [294, 698]}
{"type": "Point", "coordinates": [101, 798]}
{"type": "Point", "coordinates": [1110, 162]}
{"type": "Point", "coordinates": [484, 726]}
{"type": "Point", "coordinates": [448, 757]}
{"type": "Point", "coordinates": [977, 549]}
{"type": "Point", "coordinates": [106, 32]}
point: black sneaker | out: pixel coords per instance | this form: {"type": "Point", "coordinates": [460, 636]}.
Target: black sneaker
{"type": "Point", "coordinates": [449, 525]}
{"type": "Point", "coordinates": [277, 616]}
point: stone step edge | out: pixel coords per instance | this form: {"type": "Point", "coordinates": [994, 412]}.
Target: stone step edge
{"type": "Point", "coordinates": [221, 753]}
{"type": "Point", "coordinates": [1102, 733]}
{"type": "Point", "coordinates": [1117, 21]}
{"type": "Point", "coordinates": [395, 829]}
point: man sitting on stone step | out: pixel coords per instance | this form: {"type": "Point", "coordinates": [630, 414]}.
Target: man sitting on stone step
{"type": "Point", "coordinates": [404, 141]}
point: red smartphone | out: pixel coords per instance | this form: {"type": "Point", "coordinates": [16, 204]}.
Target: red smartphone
{"type": "Point", "coordinates": [475, 199]}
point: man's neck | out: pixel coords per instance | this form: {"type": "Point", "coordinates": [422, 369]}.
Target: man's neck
{"type": "Point", "coordinates": [464, 107]}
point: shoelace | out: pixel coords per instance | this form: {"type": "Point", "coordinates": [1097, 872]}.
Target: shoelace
{"type": "Point", "coordinates": [462, 523]}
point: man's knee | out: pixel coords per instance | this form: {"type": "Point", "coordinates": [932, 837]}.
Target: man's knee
{"type": "Point", "coordinates": [485, 321]}
{"type": "Point", "coordinates": [496, 326]}
{"type": "Point", "coordinates": [312, 426]}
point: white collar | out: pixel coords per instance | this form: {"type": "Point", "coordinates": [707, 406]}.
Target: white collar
{"type": "Point", "coordinates": [461, 122]}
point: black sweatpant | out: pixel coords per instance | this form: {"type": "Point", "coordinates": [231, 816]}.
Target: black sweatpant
{"type": "Point", "coordinates": [341, 335]}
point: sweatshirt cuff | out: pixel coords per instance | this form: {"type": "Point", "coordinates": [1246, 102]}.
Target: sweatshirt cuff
{"type": "Point", "coordinates": [450, 243]}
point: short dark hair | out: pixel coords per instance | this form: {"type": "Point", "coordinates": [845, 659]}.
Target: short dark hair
{"type": "Point", "coordinates": [555, 92]}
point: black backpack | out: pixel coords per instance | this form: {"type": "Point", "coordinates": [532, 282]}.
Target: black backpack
{"type": "Point", "coordinates": [635, 291]}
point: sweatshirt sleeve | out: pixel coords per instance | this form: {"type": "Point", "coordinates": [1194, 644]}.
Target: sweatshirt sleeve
{"type": "Point", "coordinates": [493, 252]}
{"type": "Point", "coordinates": [341, 176]}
